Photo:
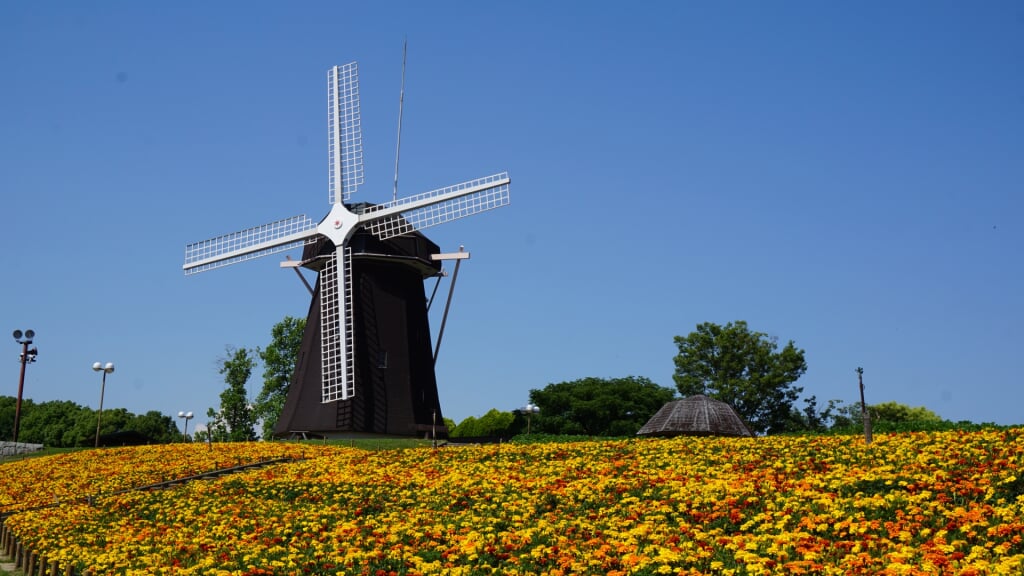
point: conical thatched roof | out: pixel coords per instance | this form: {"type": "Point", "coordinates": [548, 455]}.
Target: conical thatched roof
{"type": "Point", "coordinates": [696, 416]}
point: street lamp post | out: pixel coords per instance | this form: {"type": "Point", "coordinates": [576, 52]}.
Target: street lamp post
{"type": "Point", "coordinates": [106, 369]}
{"type": "Point", "coordinates": [186, 416]}
{"type": "Point", "coordinates": [864, 407]}
{"type": "Point", "coordinates": [530, 410]}
{"type": "Point", "coordinates": [27, 357]}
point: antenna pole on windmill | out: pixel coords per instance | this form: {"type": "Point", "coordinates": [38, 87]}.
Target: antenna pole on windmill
{"type": "Point", "coordinates": [401, 104]}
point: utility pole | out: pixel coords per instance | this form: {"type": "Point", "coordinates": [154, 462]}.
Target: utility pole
{"type": "Point", "coordinates": [865, 415]}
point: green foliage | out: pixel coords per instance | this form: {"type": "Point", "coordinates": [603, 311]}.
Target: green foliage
{"type": "Point", "coordinates": [160, 427]}
{"type": "Point", "coordinates": [744, 369]}
{"type": "Point", "coordinates": [279, 358]}
{"type": "Point", "coordinates": [496, 423]}
{"type": "Point", "coordinates": [7, 410]}
{"type": "Point", "coordinates": [918, 426]}
{"type": "Point", "coordinates": [597, 406]}
{"type": "Point", "coordinates": [235, 421]}
{"type": "Point", "coordinates": [52, 424]}
{"type": "Point", "coordinates": [112, 421]}
{"type": "Point", "coordinates": [450, 425]}
{"type": "Point", "coordinates": [811, 419]}
{"type": "Point", "coordinates": [493, 423]}
{"type": "Point", "coordinates": [896, 412]}
{"type": "Point", "coordinates": [892, 417]}
{"type": "Point", "coordinates": [542, 438]}
{"type": "Point", "coordinates": [1009, 490]}
{"type": "Point", "coordinates": [465, 428]}
{"type": "Point", "coordinates": [848, 416]}
{"type": "Point", "coordinates": [65, 424]}
{"type": "Point", "coordinates": [888, 416]}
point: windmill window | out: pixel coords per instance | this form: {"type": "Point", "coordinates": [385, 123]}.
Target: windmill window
{"type": "Point", "coordinates": [382, 359]}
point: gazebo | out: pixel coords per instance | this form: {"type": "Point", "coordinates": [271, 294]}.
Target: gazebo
{"type": "Point", "coordinates": [696, 416]}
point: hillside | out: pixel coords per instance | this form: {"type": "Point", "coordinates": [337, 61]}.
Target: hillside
{"type": "Point", "coordinates": [913, 503]}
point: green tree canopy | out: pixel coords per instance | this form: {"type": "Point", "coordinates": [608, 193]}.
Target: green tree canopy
{"type": "Point", "coordinates": [156, 426]}
{"type": "Point", "coordinates": [466, 428]}
{"type": "Point", "coordinates": [896, 412]}
{"type": "Point", "coordinates": [812, 419]}
{"type": "Point", "coordinates": [449, 424]}
{"type": "Point", "coordinates": [743, 368]}
{"type": "Point", "coordinates": [279, 359]}
{"type": "Point", "coordinates": [598, 406]}
{"type": "Point", "coordinates": [8, 406]}
{"type": "Point", "coordinates": [52, 423]}
{"type": "Point", "coordinates": [112, 421]}
{"type": "Point", "coordinates": [886, 413]}
{"type": "Point", "coordinates": [493, 423]}
{"type": "Point", "coordinates": [65, 424]}
{"type": "Point", "coordinates": [235, 420]}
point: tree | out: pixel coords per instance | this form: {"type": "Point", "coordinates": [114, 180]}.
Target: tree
{"type": "Point", "coordinates": [279, 359]}
{"type": "Point", "coordinates": [887, 414]}
{"type": "Point", "coordinates": [597, 406]}
{"type": "Point", "coordinates": [49, 423]}
{"type": "Point", "coordinates": [896, 412]}
{"type": "Point", "coordinates": [157, 427]}
{"type": "Point", "coordinates": [742, 368]}
{"type": "Point", "coordinates": [216, 428]}
{"type": "Point", "coordinates": [466, 429]}
{"type": "Point", "coordinates": [810, 419]}
{"type": "Point", "coordinates": [235, 420]}
{"type": "Point", "coordinates": [63, 424]}
{"type": "Point", "coordinates": [7, 409]}
{"type": "Point", "coordinates": [83, 429]}
{"type": "Point", "coordinates": [449, 424]}
{"type": "Point", "coordinates": [493, 423]}
{"type": "Point", "coordinates": [202, 434]}
{"type": "Point", "coordinates": [496, 423]}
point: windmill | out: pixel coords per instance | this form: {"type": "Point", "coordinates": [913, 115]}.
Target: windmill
{"type": "Point", "coordinates": [379, 234]}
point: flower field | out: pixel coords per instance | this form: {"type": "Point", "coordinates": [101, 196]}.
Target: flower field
{"type": "Point", "coordinates": [914, 503]}
{"type": "Point", "coordinates": [40, 481]}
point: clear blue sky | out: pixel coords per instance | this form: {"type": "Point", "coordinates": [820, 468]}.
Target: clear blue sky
{"type": "Point", "coordinates": [848, 176]}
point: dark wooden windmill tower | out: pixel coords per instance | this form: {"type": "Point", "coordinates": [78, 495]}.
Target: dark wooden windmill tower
{"type": "Point", "coordinates": [365, 365]}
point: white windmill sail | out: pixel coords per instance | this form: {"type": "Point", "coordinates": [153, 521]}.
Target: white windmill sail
{"type": "Point", "coordinates": [345, 175]}
{"type": "Point", "coordinates": [437, 207]}
{"type": "Point", "coordinates": [248, 244]}
{"type": "Point", "coordinates": [344, 132]}
{"type": "Point", "coordinates": [337, 342]}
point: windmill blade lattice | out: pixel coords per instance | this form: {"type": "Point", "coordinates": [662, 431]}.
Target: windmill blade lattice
{"type": "Point", "coordinates": [337, 342]}
{"type": "Point", "coordinates": [344, 132]}
{"type": "Point", "coordinates": [437, 207]}
{"type": "Point", "coordinates": [249, 244]}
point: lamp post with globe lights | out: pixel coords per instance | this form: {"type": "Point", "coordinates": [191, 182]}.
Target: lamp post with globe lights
{"type": "Point", "coordinates": [27, 357]}
{"type": "Point", "coordinates": [186, 416]}
{"type": "Point", "coordinates": [530, 410]}
{"type": "Point", "coordinates": [106, 369]}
